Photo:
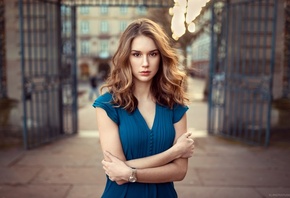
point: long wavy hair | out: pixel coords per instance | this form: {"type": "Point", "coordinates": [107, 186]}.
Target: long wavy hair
{"type": "Point", "coordinates": [168, 84]}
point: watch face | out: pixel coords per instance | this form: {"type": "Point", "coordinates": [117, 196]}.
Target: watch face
{"type": "Point", "coordinates": [132, 179]}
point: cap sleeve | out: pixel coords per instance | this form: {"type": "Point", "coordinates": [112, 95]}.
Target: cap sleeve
{"type": "Point", "coordinates": [104, 102]}
{"type": "Point", "coordinates": [178, 112]}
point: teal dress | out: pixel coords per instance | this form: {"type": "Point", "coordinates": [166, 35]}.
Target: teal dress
{"type": "Point", "coordinates": [139, 141]}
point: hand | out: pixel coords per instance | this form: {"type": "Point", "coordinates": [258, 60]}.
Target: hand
{"type": "Point", "coordinates": [116, 169]}
{"type": "Point", "coordinates": [185, 145]}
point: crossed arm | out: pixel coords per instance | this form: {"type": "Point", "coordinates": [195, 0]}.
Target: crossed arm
{"type": "Point", "coordinates": [170, 165]}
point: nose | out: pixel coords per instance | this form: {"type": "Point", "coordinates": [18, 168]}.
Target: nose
{"type": "Point", "coordinates": [145, 61]}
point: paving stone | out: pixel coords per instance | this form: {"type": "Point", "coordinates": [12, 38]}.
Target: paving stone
{"type": "Point", "coordinates": [191, 178]}
{"type": "Point", "coordinates": [215, 192]}
{"type": "Point", "coordinates": [274, 192]}
{"type": "Point", "coordinates": [34, 191]}
{"type": "Point", "coordinates": [10, 156]}
{"type": "Point", "coordinates": [208, 161]}
{"type": "Point", "coordinates": [52, 160]}
{"type": "Point", "coordinates": [86, 191]}
{"type": "Point", "coordinates": [244, 177]}
{"type": "Point", "coordinates": [69, 145]}
{"type": "Point", "coordinates": [68, 175]}
{"type": "Point", "coordinates": [17, 175]}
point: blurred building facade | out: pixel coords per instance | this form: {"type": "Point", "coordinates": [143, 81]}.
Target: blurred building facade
{"type": "Point", "coordinates": [201, 44]}
{"type": "Point", "coordinates": [98, 32]}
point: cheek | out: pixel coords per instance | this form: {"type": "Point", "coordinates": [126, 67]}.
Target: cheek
{"type": "Point", "coordinates": [134, 62]}
{"type": "Point", "coordinates": [157, 64]}
{"type": "Point", "coordinates": [134, 66]}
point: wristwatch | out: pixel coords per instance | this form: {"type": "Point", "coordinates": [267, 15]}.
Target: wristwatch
{"type": "Point", "coordinates": [133, 177]}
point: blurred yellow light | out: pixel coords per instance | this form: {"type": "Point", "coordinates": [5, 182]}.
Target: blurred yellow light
{"type": "Point", "coordinates": [191, 27]}
{"type": "Point", "coordinates": [185, 11]}
{"type": "Point", "coordinates": [170, 11]}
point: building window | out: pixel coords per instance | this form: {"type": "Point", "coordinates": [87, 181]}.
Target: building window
{"type": "Point", "coordinates": [67, 47]}
{"type": "Point", "coordinates": [123, 25]}
{"type": "Point", "coordinates": [104, 9]}
{"type": "Point", "coordinates": [65, 10]}
{"type": "Point", "coordinates": [85, 27]}
{"type": "Point", "coordinates": [123, 9]}
{"type": "Point", "coordinates": [104, 51]}
{"type": "Point", "coordinates": [141, 10]}
{"type": "Point", "coordinates": [85, 47]}
{"type": "Point", "coordinates": [66, 27]}
{"type": "Point", "coordinates": [104, 27]}
{"type": "Point", "coordinates": [84, 10]}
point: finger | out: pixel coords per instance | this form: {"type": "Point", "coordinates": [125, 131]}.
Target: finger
{"type": "Point", "coordinates": [185, 134]}
{"type": "Point", "coordinates": [189, 141]}
{"type": "Point", "coordinates": [105, 163]}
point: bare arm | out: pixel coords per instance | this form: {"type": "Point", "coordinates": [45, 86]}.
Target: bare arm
{"type": "Point", "coordinates": [109, 136]}
{"type": "Point", "coordinates": [181, 149]}
{"type": "Point", "coordinates": [170, 168]}
{"type": "Point", "coordinates": [110, 142]}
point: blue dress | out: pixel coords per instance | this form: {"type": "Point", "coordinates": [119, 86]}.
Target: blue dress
{"type": "Point", "coordinates": [139, 141]}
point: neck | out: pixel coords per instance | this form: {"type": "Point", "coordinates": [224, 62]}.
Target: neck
{"type": "Point", "coordinates": [142, 91]}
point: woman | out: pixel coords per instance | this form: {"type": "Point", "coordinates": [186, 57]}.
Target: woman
{"type": "Point", "coordinates": [142, 118]}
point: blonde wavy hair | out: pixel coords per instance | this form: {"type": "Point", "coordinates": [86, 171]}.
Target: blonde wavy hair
{"type": "Point", "coordinates": [168, 84]}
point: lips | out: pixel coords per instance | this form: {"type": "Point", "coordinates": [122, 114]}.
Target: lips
{"type": "Point", "coordinates": [145, 73]}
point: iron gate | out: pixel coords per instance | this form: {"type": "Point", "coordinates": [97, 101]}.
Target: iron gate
{"type": "Point", "coordinates": [286, 77]}
{"type": "Point", "coordinates": [241, 69]}
{"type": "Point", "coordinates": [48, 61]}
{"type": "Point", "coordinates": [3, 80]}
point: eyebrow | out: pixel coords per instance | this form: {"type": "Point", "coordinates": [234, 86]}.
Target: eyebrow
{"type": "Point", "coordinates": [149, 51]}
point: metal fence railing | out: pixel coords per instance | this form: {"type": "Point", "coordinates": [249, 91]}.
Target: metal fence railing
{"type": "Point", "coordinates": [241, 69]}
{"type": "Point", "coordinates": [48, 62]}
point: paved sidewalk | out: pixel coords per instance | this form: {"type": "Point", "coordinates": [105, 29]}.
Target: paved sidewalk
{"type": "Point", "coordinates": [71, 168]}
{"type": "Point", "coordinates": [220, 168]}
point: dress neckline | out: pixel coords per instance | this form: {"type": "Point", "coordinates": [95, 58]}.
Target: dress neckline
{"type": "Point", "coordinates": [144, 121]}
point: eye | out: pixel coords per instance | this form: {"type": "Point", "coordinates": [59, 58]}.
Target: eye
{"type": "Point", "coordinates": [154, 54]}
{"type": "Point", "coordinates": [136, 54]}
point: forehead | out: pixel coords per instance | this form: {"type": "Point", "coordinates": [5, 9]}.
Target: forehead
{"type": "Point", "coordinates": [143, 43]}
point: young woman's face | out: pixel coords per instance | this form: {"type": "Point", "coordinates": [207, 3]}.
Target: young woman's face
{"type": "Point", "coordinates": [144, 58]}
